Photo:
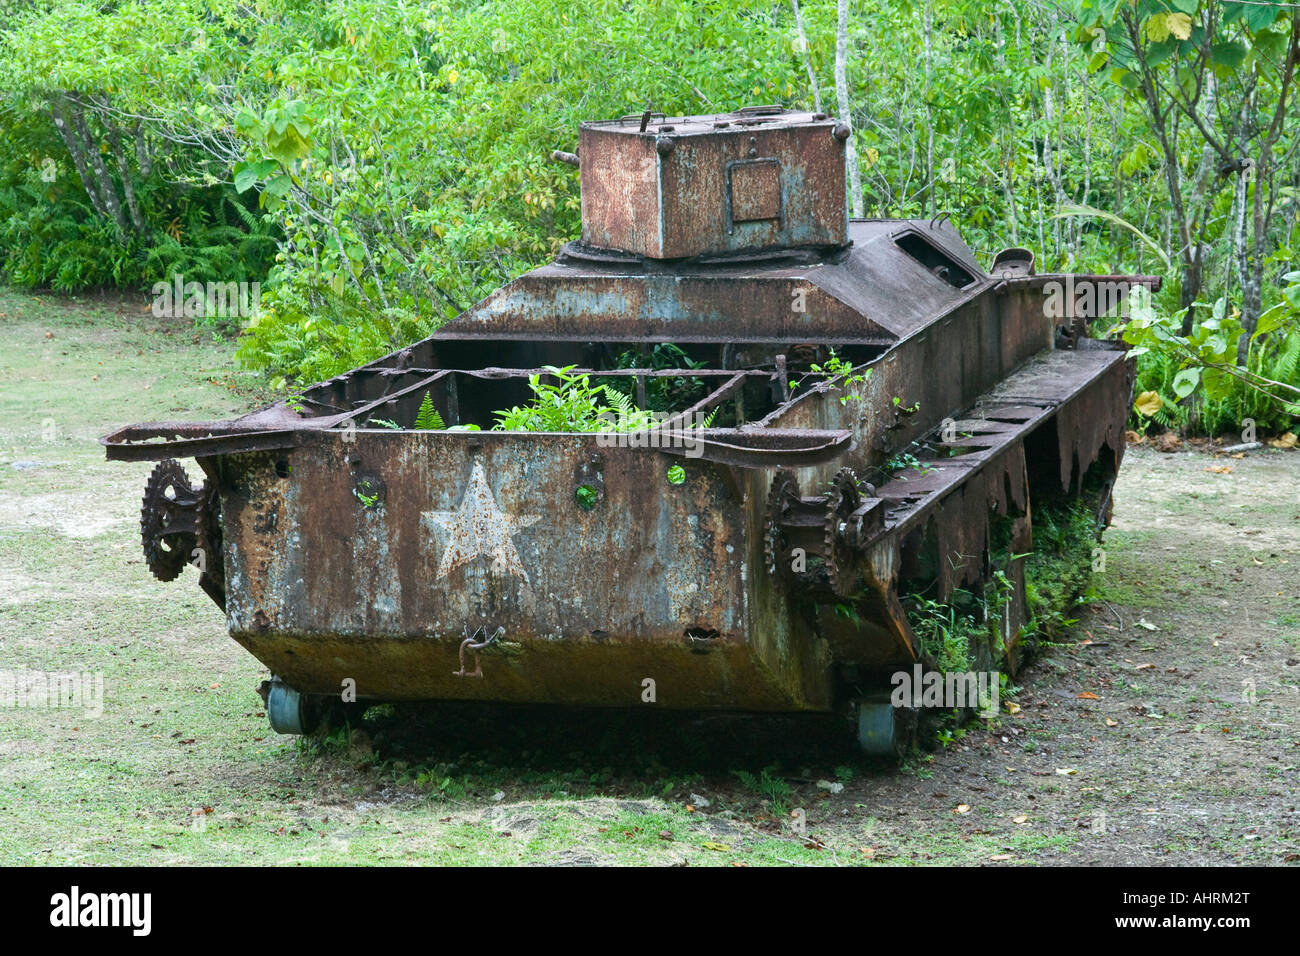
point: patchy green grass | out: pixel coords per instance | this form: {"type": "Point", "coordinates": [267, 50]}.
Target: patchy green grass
{"type": "Point", "coordinates": [181, 768]}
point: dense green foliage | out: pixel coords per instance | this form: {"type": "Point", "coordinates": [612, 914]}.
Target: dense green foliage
{"type": "Point", "coordinates": [1059, 569]}
{"type": "Point", "coordinates": [380, 165]}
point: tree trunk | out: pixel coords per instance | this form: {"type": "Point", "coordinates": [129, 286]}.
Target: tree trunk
{"type": "Point", "coordinates": [1252, 286]}
{"type": "Point", "coordinates": [128, 181]}
{"type": "Point", "coordinates": [842, 97]}
{"type": "Point", "coordinates": [807, 57]}
{"type": "Point", "coordinates": [84, 148]}
{"type": "Point", "coordinates": [1261, 212]}
{"type": "Point", "coordinates": [58, 109]}
{"type": "Point", "coordinates": [929, 117]}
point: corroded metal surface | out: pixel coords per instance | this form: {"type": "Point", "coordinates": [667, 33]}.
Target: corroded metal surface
{"type": "Point", "coordinates": [690, 186]}
{"type": "Point", "coordinates": [566, 567]}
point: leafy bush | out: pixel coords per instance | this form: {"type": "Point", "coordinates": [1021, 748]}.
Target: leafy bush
{"type": "Point", "coordinates": [1193, 382]}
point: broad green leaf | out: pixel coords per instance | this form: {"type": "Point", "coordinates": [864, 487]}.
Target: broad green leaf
{"type": "Point", "coordinates": [1256, 16]}
{"type": "Point", "coordinates": [1217, 383]}
{"type": "Point", "coordinates": [279, 186]}
{"type": "Point", "coordinates": [1229, 53]}
{"type": "Point", "coordinates": [1157, 53]}
{"type": "Point", "coordinates": [1185, 382]}
{"type": "Point", "coordinates": [1271, 320]}
{"type": "Point", "coordinates": [248, 175]}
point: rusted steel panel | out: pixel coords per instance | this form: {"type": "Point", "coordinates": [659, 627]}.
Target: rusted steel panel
{"type": "Point", "coordinates": [324, 586]}
{"type": "Point", "coordinates": [688, 186]}
{"type": "Point", "coordinates": [562, 301]}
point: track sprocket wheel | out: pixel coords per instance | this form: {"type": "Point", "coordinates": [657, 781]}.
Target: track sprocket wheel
{"type": "Point", "coordinates": [171, 518]}
{"type": "Point", "coordinates": [784, 490]}
{"type": "Point", "coordinates": [843, 498]}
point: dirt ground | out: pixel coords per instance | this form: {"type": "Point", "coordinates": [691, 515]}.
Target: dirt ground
{"type": "Point", "coordinates": [1163, 731]}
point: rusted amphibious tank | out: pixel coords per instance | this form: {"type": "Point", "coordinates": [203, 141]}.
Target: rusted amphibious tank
{"type": "Point", "coordinates": [349, 549]}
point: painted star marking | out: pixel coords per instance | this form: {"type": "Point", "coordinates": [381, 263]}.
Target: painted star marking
{"type": "Point", "coordinates": [479, 527]}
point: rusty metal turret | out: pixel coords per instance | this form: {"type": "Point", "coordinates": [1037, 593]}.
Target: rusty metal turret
{"type": "Point", "coordinates": [757, 180]}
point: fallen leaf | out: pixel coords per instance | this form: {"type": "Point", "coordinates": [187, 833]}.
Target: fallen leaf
{"type": "Point", "coordinates": [717, 847]}
{"type": "Point", "coordinates": [1148, 403]}
{"type": "Point", "coordinates": [999, 857]}
{"type": "Point", "coordinates": [1020, 819]}
{"type": "Point", "coordinates": [1144, 667]}
{"type": "Point", "coordinates": [1147, 625]}
{"type": "Point", "coordinates": [962, 808]}
{"type": "Point", "coordinates": [1013, 708]}
{"type": "Point", "coordinates": [1169, 443]}
{"type": "Point", "coordinates": [1220, 469]}
{"type": "Point", "coordinates": [1111, 723]}
{"type": "Point", "coordinates": [1287, 440]}
{"type": "Point", "coordinates": [1088, 695]}
{"type": "Point", "coordinates": [867, 851]}
{"type": "Point", "coordinates": [1066, 771]}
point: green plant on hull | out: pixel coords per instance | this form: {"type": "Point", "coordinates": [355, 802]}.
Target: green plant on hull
{"type": "Point", "coordinates": [428, 418]}
{"type": "Point", "coordinates": [573, 404]}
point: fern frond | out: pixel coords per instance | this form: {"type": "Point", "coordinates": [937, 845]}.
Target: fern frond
{"type": "Point", "coordinates": [428, 418]}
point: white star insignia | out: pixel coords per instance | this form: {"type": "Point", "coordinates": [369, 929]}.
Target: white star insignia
{"type": "Point", "coordinates": [477, 527]}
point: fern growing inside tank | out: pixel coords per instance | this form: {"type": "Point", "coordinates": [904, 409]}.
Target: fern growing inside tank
{"type": "Point", "coordinates": [427, 418]}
